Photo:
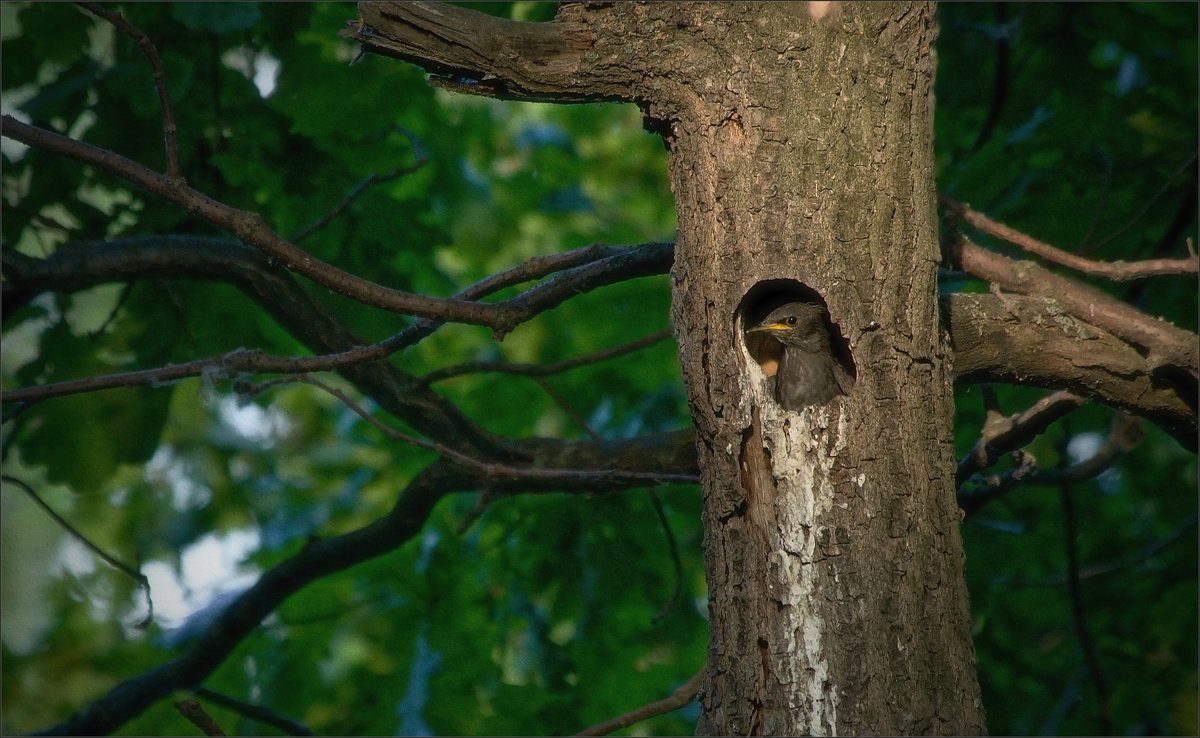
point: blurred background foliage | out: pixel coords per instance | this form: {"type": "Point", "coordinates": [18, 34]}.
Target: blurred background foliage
{"type": "Point", "coordinates": [1073, 122]}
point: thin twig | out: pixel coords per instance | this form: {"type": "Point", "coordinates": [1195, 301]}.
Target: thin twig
{"type": "Point", "coordinates": [1166, 186]}
{"type": "Point", "coordinates": [1103, 568]}
{"type": "Point", "coordinates": [126, 291]}
{"type": "Point", "coordinates": [112, 561]}
{"type": "Point", "coordinates": [584, 268]}
{"type": "Point", "coordinates": [674, 549]}
{"type": "Point", "coordinates": [1115, 270]}
{"type": "Point", "coordinates": [254, 712]}
{"type": "Point", "coordinates": [542, 370]}
{"type": "Point", "coordinates": [680, 697]}
{"type": "Point", "coordinates": [351, 196]}
{"type": "Point", "coordinates": [160, 80]}
{"type": "Point", "coordinates": [195, 714]}
{"type": "Point", "coordinates": [566, 407]}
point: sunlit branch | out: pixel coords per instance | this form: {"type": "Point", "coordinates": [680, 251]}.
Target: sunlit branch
{"type": "Point", "coordinates": [680, 697]}
{"type": "Point", "coordinates": [1000, 434]}
{"type": "Point", "coordinates": [138, 577]}
{"type": "Point", "coordinates": [1167, 346]}
{"type": "Point", "coordinates": [253, 712]}
{"type": "Point", "coordinates": [1115, 270]}
{"type": "Point", "coordinates": [1125, 433]}
{"type": "Point", "coordinates": [160, 80]}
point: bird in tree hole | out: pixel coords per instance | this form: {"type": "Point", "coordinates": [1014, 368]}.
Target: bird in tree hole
{"type": "Point", "coordinates": [808, 372]}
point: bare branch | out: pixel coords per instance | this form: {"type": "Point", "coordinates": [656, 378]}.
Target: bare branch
{"type": "Point", "coordinates": [195, 714]}
{"type": "Point", "coordinates": [1169, 348]}
{"type": "Point", "coordinates": [353, 195]}
{"type": "Point", "coordinates": [542, 370]}
{"type": "Point", "coordinates": [324, 556]}
{"type": "Point", "coordinates": [254, 712]}
{"type": "Point", "coordinates": [1115, 270]}
{"type": "Point", "coordinates": [160, 80]}
{"type": "Point", "coordinates": [680, 697]}
{"type": "Point", "coordinates": [477, 54]}
{"type": "Point", "coordinates": [1003, 435]}
{"type": "Point", "coordinates": [1125, 433]}
{"type": "Point", "coordinates": [1033, 341]}
{"type": "Point", "coordinates": [1026, 340]}
{"type": "Point", "coordinates": [250, 228]}
{"type": "Point", "coordinates": [142, 582]}
{"type": "Point", "coordinates": [79, 268]}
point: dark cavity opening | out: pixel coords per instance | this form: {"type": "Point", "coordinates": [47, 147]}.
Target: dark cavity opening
{"type": "Point", "coordinates": [790, 335]}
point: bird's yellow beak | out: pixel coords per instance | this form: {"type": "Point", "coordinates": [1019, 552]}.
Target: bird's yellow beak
{"type": "Point", "coordinates": [770, 327]}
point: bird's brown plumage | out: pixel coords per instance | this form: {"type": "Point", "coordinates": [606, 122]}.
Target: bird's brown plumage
{"type": "Point", "coordinates": [809, 373]}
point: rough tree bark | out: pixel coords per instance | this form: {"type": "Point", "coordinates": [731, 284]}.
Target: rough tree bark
{"type": "Point", "coordinates": [834, 560]}
{"type": "Point", "coordinates": [802, 164]}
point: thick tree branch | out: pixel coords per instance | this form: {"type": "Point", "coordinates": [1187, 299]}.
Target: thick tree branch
{"type": "Point", "coordinates": [479, 54]}
{"type": "Point", "coordinates": [1170, 350]}
{"type": "Point", "coordinates": [1033, 341]}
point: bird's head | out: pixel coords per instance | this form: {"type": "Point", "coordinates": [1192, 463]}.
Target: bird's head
{"type": "Point", "coordinates": [798, 324]}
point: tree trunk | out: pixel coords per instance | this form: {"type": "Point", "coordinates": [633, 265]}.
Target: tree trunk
{"type": "Point", "coordinates": [803, 160]}
{"type": "Point", "coordinates": [802, 166]}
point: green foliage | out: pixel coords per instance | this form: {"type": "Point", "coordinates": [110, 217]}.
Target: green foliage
{"type": "Point", "coordinates": [1092, 150]}
{"type": "Point", "coordinates": [540, 617]}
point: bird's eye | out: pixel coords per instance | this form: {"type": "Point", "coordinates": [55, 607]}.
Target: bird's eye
{"type": "Point", "coordinates": [791, 320]}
